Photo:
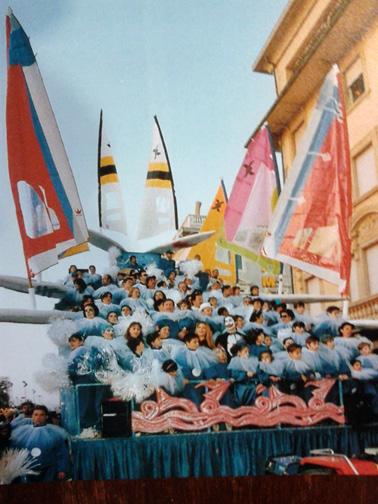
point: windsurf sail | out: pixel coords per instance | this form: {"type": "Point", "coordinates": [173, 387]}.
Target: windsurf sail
{"type": "Point", "coordinates": [111, 209]}
{"type": "Point", "coordinates": [212, 254]}
{"type": "Point", "coordinates": [49, 213]}
{"type": "Point", "coordinates": [250, 209]}
{"type": "Point", "coordinates": [310, 225]}
{"type": "Point", "coordinates": [159, 209]}
{"type": "Point", "coordinates": [254, 195]}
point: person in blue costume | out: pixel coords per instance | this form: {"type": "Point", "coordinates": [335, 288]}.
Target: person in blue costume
{"type": "Point", "coordinates": [245, 308]}
{"type": "Point", "coordinates": [157, 300]}
{"type": "Point", "coordinates": [107, 285]}
{"type": "Point", "coordinates": [167, 316]}
{"type": "Point", "coordinates": [299, 334]}
{"type": "Point", "coordinates": [367, 383]}
{"type": "Point", "coordinates": [348, 340]}
{"type": "Point", "coordinates": [156, 350]}
{"type": "Point", "coordinates": [121, 348]}
{"type": "Point", "coordinates": [82, 364]}
{"type": "Point", "coordinates": [256, 342]}
{"type": "Point", "coordinates": [171, 280]}
{"type": "Point", "coordinates": [91, 324]}
{"type": "Point", "coordinates": [269, 370]}
{"type": "Point", "coordinates": [220, 372]}
{"type": "Point", "coordinates": [135, 299]}
{"type": "Point", "coordinates": [72, 274]}
{"type": "Point", "coordinates": [226, 299]}
{"type": "Point", "coordinates": [312, 357]}
{"type": "Point", "coordinates": [193, 360]}
{"type": "Point", "coordinates": [167, 263]}
{"type": "Point", "coordinates": [141, 281]}
{"type": "Point", "coordinates": [328, 325]}
{"type": "Point", "coordinates": [185, 322]}
{"type": "Point", "coordinates": [283, 354]}
{"type": "Point", "coordinates": [302, 316]}
{"type": "Point", "coordinates": [334, 364]}
{"type": "Point", "coordinates": [366, 357]}
{"type": "Point", "coordinates": [92, 278]}
{"type": "Point", "coordinates": [256, 321]}
{"type": "Point", "coordinates": [140, 358]}
{"type": "Point", "coordinates": [150, 289]}
{"type": "Point", "coordinates": [206, 314]}
{"type": "Point", "coordinates": [132, 264]}
{"type": "Point", "coordinates": [74, 296]}
{"type": "Point", "coordinates": [273, 344]}
{"type": "Point", "coordinates": [243, 371]}
{"type": "Point", "coordinates": [25, 414]}
{"type": "Point", "coordinates": [284, 328]}
{"type": "Point", "coordinates": [122, 293]}
{"type": "Point", "coordinates": [126, 310]}
{"type": "Point", "coordinates": [46, 445]}
{"type": "Point", "coordinates": [169, 344]}
{"type": "Point", "coordinates": [106, 305]}
{"type": "Point", "coordinates": [296, 373]}
{"type": "Point", "coordinates": [361, 373]}
{"type": "Point", "coordinates": [112, 318]}
{"type": "Point", "coordinates": [169, 377]}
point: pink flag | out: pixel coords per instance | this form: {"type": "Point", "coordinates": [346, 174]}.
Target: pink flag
{"type": "Point", "coordinates": [253, 196]}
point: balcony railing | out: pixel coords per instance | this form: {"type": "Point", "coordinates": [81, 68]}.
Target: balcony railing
{"type": "Point", "coordinates": [366, 308]}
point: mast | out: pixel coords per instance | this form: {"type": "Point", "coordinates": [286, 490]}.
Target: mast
{"type": "Point", "coordinates": [98, 170]}
{"type": "Point", "coordinates": [170, 171]}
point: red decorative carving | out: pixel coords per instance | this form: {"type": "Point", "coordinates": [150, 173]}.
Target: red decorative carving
{"type": "Point", "coordinates": [173, 413]}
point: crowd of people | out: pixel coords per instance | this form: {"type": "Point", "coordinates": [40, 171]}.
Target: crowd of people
{"type": "Point", "coordinates": [175, 327]}
{"type": "Point", "coordinates": [181, 329]}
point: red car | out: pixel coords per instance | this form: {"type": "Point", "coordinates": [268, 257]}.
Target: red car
{"type": "Point", "coordinates": [325, 461]}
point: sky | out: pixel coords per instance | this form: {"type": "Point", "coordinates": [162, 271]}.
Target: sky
{"type": "Point", "coordinates": [189, 63]}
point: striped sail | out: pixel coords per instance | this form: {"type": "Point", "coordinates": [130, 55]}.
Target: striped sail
{"type": "Point", "coordinates": [212, 253]}
{"type": "Point", "coordinates": [310, 225]}
{"type": "Point", "coordinates": [110, 202]}
{"type": "Point", "coordinates": [159, 209]}
{"type": "Point", "coordinates": [48, 208]}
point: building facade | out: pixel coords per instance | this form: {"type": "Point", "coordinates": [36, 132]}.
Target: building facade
{"type": "Point", "coordinates": [310, 36]}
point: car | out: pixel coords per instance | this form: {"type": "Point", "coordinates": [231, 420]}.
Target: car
{"type": "Point", "coordinates": [325, 461]}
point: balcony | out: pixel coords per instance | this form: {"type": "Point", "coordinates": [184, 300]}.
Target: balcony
{"type": "Point", "coordinates": [192, 224]}
{"type": "Point", "coordinates": [366, 308]}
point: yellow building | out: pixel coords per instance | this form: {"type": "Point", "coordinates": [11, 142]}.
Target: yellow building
{"type": "Point", "coordinates": [308, 38]}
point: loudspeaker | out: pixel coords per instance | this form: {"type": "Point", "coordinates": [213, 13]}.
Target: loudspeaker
{"type": "Point", "coordinates": [116, 418]}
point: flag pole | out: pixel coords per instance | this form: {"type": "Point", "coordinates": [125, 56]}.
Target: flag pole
{"type": "Point", "coordinates": [170, 171]}
{"type": "Point", "coordinates": [279, 188]}
{"type": "Point", "coordinates": [346, 308]}
{"type": "Point", "coordinates": [31, 289]}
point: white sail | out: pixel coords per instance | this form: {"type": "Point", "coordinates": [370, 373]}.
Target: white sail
{"type": "Point", "coordinates": [110, 202]}
{"type": "Point", "coordinates": [159, 211]}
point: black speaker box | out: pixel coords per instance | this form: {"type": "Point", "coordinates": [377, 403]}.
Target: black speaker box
{"type": "Point", "coordinates": [116, 418]}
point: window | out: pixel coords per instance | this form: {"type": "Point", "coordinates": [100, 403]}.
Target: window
{"type": "Point", "coordinates": [372, 263]}
{"type": "Point", "coordinates": [365, 170]}
{"type": "Point", "coordinates": [354, 79]}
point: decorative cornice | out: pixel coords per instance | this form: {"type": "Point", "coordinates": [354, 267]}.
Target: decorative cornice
{"type": "Point", "coordinates": [335, 12]}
